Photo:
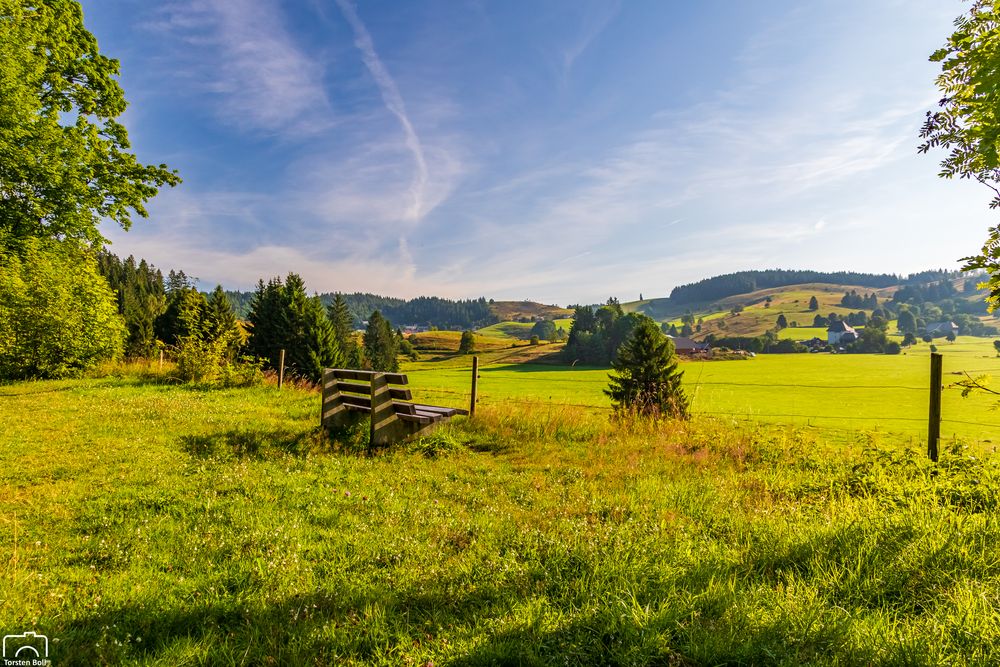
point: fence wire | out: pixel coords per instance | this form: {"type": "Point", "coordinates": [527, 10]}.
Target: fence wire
{"type": "Point", "coordinates": [486, 398]}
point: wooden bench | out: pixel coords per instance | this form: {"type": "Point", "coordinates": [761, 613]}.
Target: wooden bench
{"type": "Point", "coordinates": [350, 396]}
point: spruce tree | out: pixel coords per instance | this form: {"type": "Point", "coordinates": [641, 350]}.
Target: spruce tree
{"type": "Point", "coordinates": [266, 321]}
{"type": "Point", "coordinates": [813, 303]}
{"type": "Point", "coordinates": [339, 314]}
{"type": "Point", "coordinates": [646, 379]}
{"type": "Point", "coordinates": [380, 344]}
{"type": "Point", "coordinates": [220, 320]}
{"type": "Point", "coordinates": [282, 316]}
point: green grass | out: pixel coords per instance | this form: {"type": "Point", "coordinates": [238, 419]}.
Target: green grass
{"type": "Point", "coordinates": [154, 524]}
{"type": "Point", "coordinates": [803, 333]}
{"type": "Point", "coordinates": [515, 330]}
{"type": "Point", "coordinates": [845, 393]}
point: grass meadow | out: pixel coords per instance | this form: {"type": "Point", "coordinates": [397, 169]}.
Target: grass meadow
{"type": "Point", "coordinates": [838, 394]}
{"type": "Point", "coordinates": [151, 523]}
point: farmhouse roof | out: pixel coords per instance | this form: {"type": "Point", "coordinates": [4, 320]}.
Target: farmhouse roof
{"type": "Point", "coordinates": [840, 326]}
{"type": "Point", "coordinates": [942, 326]}
{"type": "Point", "coordinates": [683, 344]}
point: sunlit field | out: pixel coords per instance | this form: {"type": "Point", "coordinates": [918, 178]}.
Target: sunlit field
{"type": "Point", "coordinates": [844, 392]}
{"type": "Point", "coordinates": [194, 526]}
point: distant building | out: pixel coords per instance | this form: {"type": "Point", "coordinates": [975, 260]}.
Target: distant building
{"type": "Point", "coordinates": [840, 333]}
{"type": "Point", "coordinates": [939, 329]}
{"type": "Point", "coordinates": [685, 345]}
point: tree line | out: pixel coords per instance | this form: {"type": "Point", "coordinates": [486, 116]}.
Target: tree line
{"type": "Point", "coordinates": [426, 311]}
{"type": "Point", "coordinates": [744, 282]}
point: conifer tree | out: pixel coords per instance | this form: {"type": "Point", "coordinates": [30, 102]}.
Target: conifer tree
{"type": "Point", "coordinates": [380, 344]}
{"type": "Point", "coordinates": [220, 321]}
{"type": "Point", "coordinates": [339, 314]}
{"type": "Point", "coordinates": [282, 316]}
{"type": "Point", "coordinates": [813, 303]}
{"type": "Point", "coordinates": [646, 379]}
{"type": "Point", "coordinates": [782, 322]}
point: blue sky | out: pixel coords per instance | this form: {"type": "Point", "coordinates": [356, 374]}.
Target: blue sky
{"type": "Point", "coordinates": [560, 151]}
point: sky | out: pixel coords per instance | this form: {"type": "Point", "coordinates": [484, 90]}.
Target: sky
{"type": "Point", "coordinates": [561, 151]}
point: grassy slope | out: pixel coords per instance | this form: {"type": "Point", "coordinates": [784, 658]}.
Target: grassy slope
{"type": "Point", "coordinates": [844, 392]}
{"type": "Point", "coordinates": [757, 316]}
{"type": "Point", "coordinates": [213, 527]}
{"type": "Point", "coordinates": [513, 310]}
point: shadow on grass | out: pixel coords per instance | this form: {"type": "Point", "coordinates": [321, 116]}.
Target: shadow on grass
{"type": "Point", "coordinates": [775, 605]}
{"type": "Point", "coordinates": [252, 442]}
{"type": "Point", "coordinates": [416, 625]}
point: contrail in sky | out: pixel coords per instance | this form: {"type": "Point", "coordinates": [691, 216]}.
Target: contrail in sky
{"type": "Point", "coordinates": [393, 101]}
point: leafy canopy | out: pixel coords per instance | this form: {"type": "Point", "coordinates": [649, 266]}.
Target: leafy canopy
{"type": "Point", "coordinates": [57, 314]}
{"type": "Point", "coordinates": [65, 162]}
{"type": "Point", "coordinates": [967, 122]}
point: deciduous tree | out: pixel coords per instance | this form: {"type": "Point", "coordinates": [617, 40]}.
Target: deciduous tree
{"type": "Point", "coordinates": [967, 122]}
{"type": "Point", "coordinates": [467, 345]}
{"type": "Point", "coordinates": [65, 161]}
{"type": "Point", "coordinates": [57, 314]}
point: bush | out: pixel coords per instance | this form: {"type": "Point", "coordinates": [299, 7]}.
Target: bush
{"type": "Point", "coordinates": [534, 340]}
{"type": "Point", "coordinates": [468, 343]}
{"type": "Point", "coordinates": [207, 361]}
{"type": "Point", "coordinates": [893, 348]}
{"type": "Point", "coordinates": [58, 316]}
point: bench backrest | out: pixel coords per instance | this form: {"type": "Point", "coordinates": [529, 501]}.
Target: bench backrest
{"type": "Point", "coordinates": [345, 389]}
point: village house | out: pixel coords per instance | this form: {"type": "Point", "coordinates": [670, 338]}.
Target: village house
{"type": "Point", "coordinates": [685, 345]}
{"type": "Point", "coordinates": [939, 329]}
{"type": "Point", "coordinates": [840, 333]}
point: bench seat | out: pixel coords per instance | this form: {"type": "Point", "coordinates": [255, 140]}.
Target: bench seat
{"type": "Point", "coordinates": [392, 414]}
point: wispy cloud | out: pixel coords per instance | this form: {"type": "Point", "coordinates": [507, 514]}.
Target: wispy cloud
{"type": "Point", "coordinates": [595, 19]}
{"type": "Point", "coordinates": [393, 102]}
{"type": "Point", "coordinates": [241, 52]}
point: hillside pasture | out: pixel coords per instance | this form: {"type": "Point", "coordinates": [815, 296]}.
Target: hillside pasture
{"type": "Point", "coordinates": [517, 310]}
{"type": "Point", "coordinates": [449, 341]}
{"type": "Point", "coordinates": [513, 330]}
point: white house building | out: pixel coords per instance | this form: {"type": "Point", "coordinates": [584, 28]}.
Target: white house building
{"type": "Point", "coordinates": [840, 333]}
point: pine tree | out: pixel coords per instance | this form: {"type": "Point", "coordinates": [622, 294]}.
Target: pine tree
{"type": "Point", "coordinates": [266, 321]}
{"type": "Point", "coordinates": [184, 316]}
{"type": "Point", "coordinates": [220, 321]}
{"type": "Point", "coordinates": [282, 316]}
{"type": "Point", "coordinates": [339, 314]}
{"type": "Point", "coordinates": [646, 379]}
{"type": "Point", "coordinates": [813, 303]}
{"type": "Point", "coordinates": [380, 344]}
{"type": "Point", "coordinates": [782, 322]}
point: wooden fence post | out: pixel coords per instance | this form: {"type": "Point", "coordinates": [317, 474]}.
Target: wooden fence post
{"type": "Point", "coordinates": [161, 360]}
{"type": "Point", "coordinates": [934, 415]}
{"type": "Point", "coordinates": [475, 383]}
{"type": "Point", "coordinates": [281, 368]}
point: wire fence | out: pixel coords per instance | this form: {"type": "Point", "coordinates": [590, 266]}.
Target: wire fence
{"type": "Point", "coordinates": [488, 396]}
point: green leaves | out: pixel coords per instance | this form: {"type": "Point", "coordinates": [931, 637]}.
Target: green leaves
{"type": "Point", "coordinates": [57, 314]}
{"type": "Point", "coordinates": [58, 179]}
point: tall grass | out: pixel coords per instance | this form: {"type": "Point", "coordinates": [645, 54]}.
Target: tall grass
{"type": "Point", "coordinates": [186, 526]}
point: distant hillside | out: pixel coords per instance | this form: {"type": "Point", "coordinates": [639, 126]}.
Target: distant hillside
{"type": "Point", "coordinates": [744, 282]}
{"type": "Point", "coordinates": [428, 311]}
{"type": "Point", "coordinates": [514, 311]}
{"type": "Point", "coordinates": [955, 298]}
